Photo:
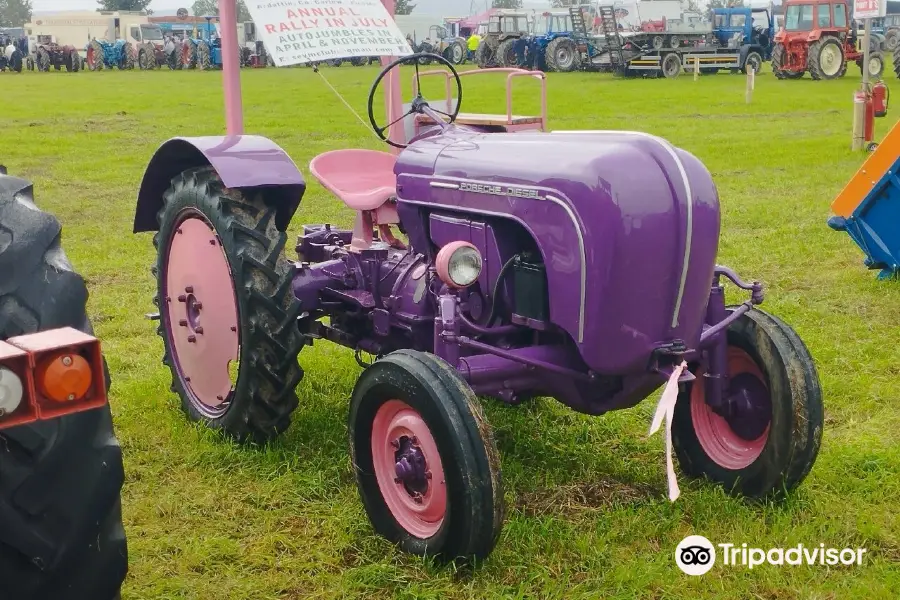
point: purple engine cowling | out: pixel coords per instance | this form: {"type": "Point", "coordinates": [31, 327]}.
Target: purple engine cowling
{"type": "Point", "coordinates": [627, 225]}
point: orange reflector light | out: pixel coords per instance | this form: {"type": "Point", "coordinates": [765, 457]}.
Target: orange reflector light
{"type": "Point", "coordinates": [63, 377]}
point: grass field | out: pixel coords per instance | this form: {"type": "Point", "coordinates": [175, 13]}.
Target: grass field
{"type": "Point", "coordinates": [588, 515]}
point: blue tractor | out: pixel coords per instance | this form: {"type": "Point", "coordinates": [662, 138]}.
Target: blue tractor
{"type": "Point", "coordinates": [751, 30]}
{"type": "Point", "coordinates": [106, 55]}
{"type": "Point", "coordinates": [205, 51]}
{"type": "Point", "coordinates": [561, 42]}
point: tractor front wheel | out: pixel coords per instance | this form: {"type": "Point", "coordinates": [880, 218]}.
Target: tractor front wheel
{"type": "Point", "coordinates": [671, 65]}
{"type": "Point", "coordinates": [562, 55]}
{"type": "Point", "coordinates": [876, 65]}
{"type": "Point", "coordinates": [754, 61]}
{"type": "Point", "coordinates": [228, 315]}
{"type": "Point", "coordinates": [426, 465]}
{"type": "Point", "coordinates": [769, 437]}
{"type": "Point", "coordinates": [826, 58]}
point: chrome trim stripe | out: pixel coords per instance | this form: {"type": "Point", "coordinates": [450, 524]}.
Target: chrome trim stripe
{"type": "Point", "coordinates": [689, 233]}
{"type": "Point", "coordinates": [555, 200]}
{"type": "Point", "coordinates": [583, 263]}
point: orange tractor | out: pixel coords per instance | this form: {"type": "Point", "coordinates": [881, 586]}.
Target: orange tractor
{"type": "Point", "coordinates": [817, 37]}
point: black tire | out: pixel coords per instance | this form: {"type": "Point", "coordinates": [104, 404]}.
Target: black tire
{"type": "Point", "coordinates": [779, 55]}
{"type": "Point", "coordinates": [890, 40]}
{"type": "Point", "coordinates": [506, 53]}
{"type": "Point", "coordinates": [74, 64]}
{"type": "Point", "coordinates": [484, 56]}
{"type": "Point", "coordinates": [795, 433]}
{"type": "Point", "coordinates": [172, 60]}
{"type": "Point", "coordinates": [29, 63]}
{"type": "Point", "coordinates": [658, 42]}
{"type": "Point", "coordinates": [471, 463]}
{"type": "Point", "coordinates": [456, 52]}
{"type": "Point", "coordinates": [189, 55]}
{"type": "Point", "coordinates": [15, 61]}
{"type": "Point", "coordinates": [129, 56]}
{"type": "Point", "coordinates": [96, 52]}
{"type": "Point", "coordinates": [818, 70]}
{"type": "Point", "coordinates": [204, 56]}
{"type": "Point", "coordinates": [147, 58]}
{"type": "Point", "coordinates": [61, 533]}
{"type": "Point", "coordinates": [562, 55]}
{"type": "Point", "coordinates": [264, 394]}
{"type": "Point", "coordinates": [43, 60]}
{"type": "Point", "coordinates": [358, 61]}
{"type": "Point", "coordinates": [425, 47]}
{"type": "Point", "coordinates": [671, 65]}
{"type": "Point", "coordinates": [753, 60]}
{"type": "Point", "coordinates": [876, 65]}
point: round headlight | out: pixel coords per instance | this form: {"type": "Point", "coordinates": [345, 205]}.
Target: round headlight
{"type": "Point", "coordinates": [10, 391]}
{"type": "Point", "coordinates": [459, 264]}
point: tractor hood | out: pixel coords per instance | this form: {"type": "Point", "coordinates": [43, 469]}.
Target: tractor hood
{"type": "Point", "coordinates": [628, 226]}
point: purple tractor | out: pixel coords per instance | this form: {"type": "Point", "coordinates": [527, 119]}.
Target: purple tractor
{"type": "Point", "coordinates": [474, 268]}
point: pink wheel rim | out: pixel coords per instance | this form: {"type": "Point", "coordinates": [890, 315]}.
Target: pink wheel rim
{"type": "Point", "coordinates": [408, 469]}
{"type": "Point", "coordinates": [202, 313]}
{"type": "Point", "coordinates": [715, 435]}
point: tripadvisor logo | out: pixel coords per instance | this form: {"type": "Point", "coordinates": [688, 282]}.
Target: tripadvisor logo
{"type": "Point", "coordinates": [696, 555]}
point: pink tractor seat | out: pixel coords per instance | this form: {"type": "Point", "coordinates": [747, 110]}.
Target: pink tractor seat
{"type": "Point", "coordinates": [362, 179]}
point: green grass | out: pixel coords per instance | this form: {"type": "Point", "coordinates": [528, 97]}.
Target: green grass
{"type": "Point", "coordinates": [588, 514]}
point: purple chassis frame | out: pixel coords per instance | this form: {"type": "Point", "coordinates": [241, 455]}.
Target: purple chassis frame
{"type": "Point", "coordinates": [630, 296]}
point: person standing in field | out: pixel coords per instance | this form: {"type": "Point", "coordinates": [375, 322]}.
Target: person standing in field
{"type": "Point", "coordinates": [473, 42]}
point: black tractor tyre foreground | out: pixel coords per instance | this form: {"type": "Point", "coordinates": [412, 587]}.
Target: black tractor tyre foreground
{"type": "Point", "coordinates": [61, 533]}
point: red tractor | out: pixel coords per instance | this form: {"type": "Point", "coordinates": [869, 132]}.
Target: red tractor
{"type": "Point", "coordinates": [817, 37]}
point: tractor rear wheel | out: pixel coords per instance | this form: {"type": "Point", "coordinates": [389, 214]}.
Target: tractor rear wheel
{"type": "Point", "coordinates": [146, 58]}
{"type": "Point", "coordinates": [204, 58]}
{"type": "Point", "coordinates": [43, 60]}
{"type": "Point", "coordinates": [95, 60]}
{"type": "Point", "coordinates": [128, 56]}
{"type": "Point", "coordinates": [425, 47]}
{"type": "Point", "coordinates": [826, 58]}
{"type": "Point", "coordinates": [188, 55]}
{"type": "Point", "coordinates": [60, 481]}
{"type": "Point", "coordinates": [228, 315]}
{"type": "Point", "coordinates": [671, 65]}
{"type": "Point", "coordinates": [890, 39]}
{"type": "Point", "coordinates": [562, 55]}
{"type": "Point", "coordinates": [506, 53]}
{"type": "Point", "coordinates": [29, 63]}
{"type": "Point", "coordinates": [779, 54]}
{"type": "Point", "coordinates": [876, 64]}
{"type": "Point", "coordinates": [456, 52]}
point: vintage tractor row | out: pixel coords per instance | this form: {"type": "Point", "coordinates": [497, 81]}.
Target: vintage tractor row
{"type": "Point", "coordinates": [518, 277]}
{"type": "Point", "coordinates": [61, 469]}
{"type": "Point", "coordinates": [817, 37]}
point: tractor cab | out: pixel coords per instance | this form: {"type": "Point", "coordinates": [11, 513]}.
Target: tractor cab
{"type": "Point", "coordinates": [744, 25]}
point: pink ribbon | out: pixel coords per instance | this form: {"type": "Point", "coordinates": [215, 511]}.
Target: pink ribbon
{"type": "Point", "coordinates": [666, 409]}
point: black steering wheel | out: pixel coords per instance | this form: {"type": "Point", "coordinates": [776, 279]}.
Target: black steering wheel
{"type": "Point", "coordinates": [419, 104]}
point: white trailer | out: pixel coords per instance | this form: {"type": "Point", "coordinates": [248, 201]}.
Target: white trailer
{"type": "Point", "coordinates": [78, 28]}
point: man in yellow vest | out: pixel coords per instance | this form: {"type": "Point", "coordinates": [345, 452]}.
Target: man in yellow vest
{"type": "Point", "coordinates": [473, 42]}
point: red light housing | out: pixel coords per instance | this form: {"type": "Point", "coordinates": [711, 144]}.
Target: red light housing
{"type": "Point", "coordinates": [60, 372]}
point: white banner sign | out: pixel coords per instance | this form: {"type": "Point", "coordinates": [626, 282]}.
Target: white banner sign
{"type": "Point", "coordinates": [869, 9]}
{"type": "Point", "coordinates": [299, 31]}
